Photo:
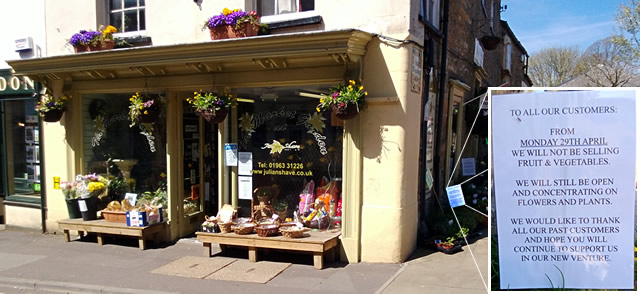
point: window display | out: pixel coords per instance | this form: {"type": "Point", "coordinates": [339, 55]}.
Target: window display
{"type": "Point", "coordinates": [22, 143]}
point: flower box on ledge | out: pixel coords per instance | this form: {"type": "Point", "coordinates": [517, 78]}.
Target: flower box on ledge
{"type": "Point", "coordinates": [233, 24]}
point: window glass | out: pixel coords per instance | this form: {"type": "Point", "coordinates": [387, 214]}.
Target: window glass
{"type": "Point", "coordinates": [22, 147]}
{"type": "Point", "coordinates": [127, 15]}
{"type": "Point", "coordinates": [134, 158]}
{"type": "Point", "coordinates": [290, 145]}
{"type": "Point", "coordinates": [275, 7]}
{"type": "Point", "coordinates": [191, 164]}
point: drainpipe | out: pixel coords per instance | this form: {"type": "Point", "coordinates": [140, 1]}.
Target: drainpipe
{"type": "Point", "coordinates": [442, 84]}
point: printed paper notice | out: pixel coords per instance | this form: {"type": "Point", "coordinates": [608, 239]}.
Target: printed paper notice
{"type": "Point", "coordinates": [245, 163]}
{"type": "Point", "coordinates": [231, 154]}
{"type": "Point", "coordinates": [468, 167]}
{"type": "Point", "coordinates": [456, 198]}
{"type": "Point", "coordinates": [245, 187]}
{"type": "Point", "coordinates": [563, 169]}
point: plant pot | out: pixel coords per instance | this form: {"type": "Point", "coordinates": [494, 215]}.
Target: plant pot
{"type": "Point", "coordinates": [88, 208]}
{"type": "Point", "coordinates": [229, 32]}
{"type": "Point", "coordinates": [348, 112]}
{"type": "Point", "coordinates": [80, 48]}
{"type": "Point", "coordinates": [151, 116]}
{"type": "Point", "coordinates": [216, 117]}
{"type": "Point", "coordinates": [449, 249]}
{"type": "Point", "coordinates": [53, 115]}
{"type": "Point", "coordinates": [73, 208]}
{"type": "Point", "coordinates": [106, 45]}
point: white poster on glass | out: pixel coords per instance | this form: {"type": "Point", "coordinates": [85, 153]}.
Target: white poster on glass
{"type": "Point", "coordinates": [245, 187]}
{"type": "Point", "coordinates": [245, 163]}
{"type": "Point", "coordinates": [563, 169]}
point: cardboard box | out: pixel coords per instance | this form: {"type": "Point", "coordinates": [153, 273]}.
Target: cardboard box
{"type": "Point", "coordinates": [137, 219]}
{"type": "Point", "coordinates": [141, 219]}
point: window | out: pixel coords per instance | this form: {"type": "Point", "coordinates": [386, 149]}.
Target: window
{"type": "Point", "coordinates": [127, 15]}
{"type": "Point", "coordinates": [277, 7]}
{"type": "Point", "coordinates": [430, 12]}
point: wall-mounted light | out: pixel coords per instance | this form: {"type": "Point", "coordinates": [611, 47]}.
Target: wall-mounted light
{"type": "Point", "coordinates": [310, 95]}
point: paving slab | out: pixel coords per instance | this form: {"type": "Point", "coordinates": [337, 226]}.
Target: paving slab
{"type": "Point", "coordinates": [194, 266]}
{"type": "Point", "coordinates": [246, 271]}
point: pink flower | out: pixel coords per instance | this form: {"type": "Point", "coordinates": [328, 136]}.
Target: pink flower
{"type": "Point", "coordinates": [335, 95]}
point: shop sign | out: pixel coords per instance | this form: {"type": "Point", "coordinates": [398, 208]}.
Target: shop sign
{"type": "Point", "coordinates": [10, 84]}
{"type": "Point", "coordinates": [564, 165]}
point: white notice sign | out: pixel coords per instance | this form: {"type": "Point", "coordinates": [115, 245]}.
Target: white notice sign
{"type": "Point", "coordinates": [468, 166]}
{"type": "Point", "coordinates": [231, 154]}
{"type": "Point", "coordinates": [564, 165]}
{"type": "Point", "coordinates": [245, 163]}
{"type": "Point", "coordinates": [245, 187]}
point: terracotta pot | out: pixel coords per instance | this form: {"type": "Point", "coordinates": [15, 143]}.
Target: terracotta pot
{"type": "Point", "coordinates": [53, 115]}
{"type": "Point", "coordinates": [80, 48]}
{"type": "Point", "coordinates": [152, 115]}
{"type": "Point", "coordinates": [214, 118]}
{"type": "Point", "coordinates": [229, 32]}
{"type": "Point", "coordinates": [348, 112]}
{"type": "Point", "coordinates": [106, 45]}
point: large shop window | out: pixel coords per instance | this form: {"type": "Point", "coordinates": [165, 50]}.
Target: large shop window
{"type": "Point", "coordinates": [288, 151]}
{"type": "Point", "coordinates": [21, 148]}
{"type": "Point", "coordinates": [133, 158]}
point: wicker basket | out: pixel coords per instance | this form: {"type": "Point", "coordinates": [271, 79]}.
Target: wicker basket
{"type": "Point", "coordinates": [244, 229]}
{"type": "Point", "coordinates": [115, 216]}
{"type": "Point", "coordinates": [225, 227]}
{"type": "Point", "coordinates": [266, 230]}
{"type": "Point", "coordinates": [291, 232]}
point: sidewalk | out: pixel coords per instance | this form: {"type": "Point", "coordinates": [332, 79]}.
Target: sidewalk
{"type": "Point", "coordinates": [34, 262]}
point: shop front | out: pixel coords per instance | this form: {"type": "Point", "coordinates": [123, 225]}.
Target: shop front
{"type": "Point", "coordinates": [273, 141]}
{"type": "Point", "coordinates": [20, 161]}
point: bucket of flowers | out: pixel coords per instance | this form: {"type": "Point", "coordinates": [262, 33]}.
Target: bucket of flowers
{"type": "Point", "coordinates": [213, 107]}
{"type": "Point", "coordinates": [346, 101]}
{"type": "Point", "coordinates": [143, 108]}
{"type": "Point", "coordinates": [89, 188]}
{"type": "Point", "coordinates": [51, 108]}
{"type": "Point", "coordinates": [84, 41]}
{"type": "Point", "coordinates": [233, 24]}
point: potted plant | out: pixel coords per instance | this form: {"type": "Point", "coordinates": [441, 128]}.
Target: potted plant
{"type": "Point", "coordinates": [233, 24]}
{"type": "Point", "coordinates": [51, 108]}
{"type": "Point", "coordinates": [448, 246]}
{"type": "Point", "coordinates": [143, 109]}
{"type": "Point", "coordinates": [213, 107]}
{"type": "Point", "coordinates": [71, 198]}
{"type": "Point", "coordinates": [93, 41]}
{"type": "Point", "coordinates": [89, 188]}
{"type": "Point", "coordinates": [281, 206]}
{"type": "Point", "coordinates": [346, 101]}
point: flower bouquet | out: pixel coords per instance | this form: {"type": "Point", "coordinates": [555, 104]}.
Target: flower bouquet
{"type": "Point", "coordinates": [233, 24]}
{"type": "Point", "coordinates": [51, 108]}
{"type": "Point", "coordinates": [89, 188]}
{"type": "Point", "coordinates": [71, 198]}
{"type": "Point", "coordinates": [345, 101]}
{"type": "Point", "coordinates": [143, 109]}
{"type": "Point", "coordinates": [213, 107]}
{"type": "Point", "coordinates": [93, 41]}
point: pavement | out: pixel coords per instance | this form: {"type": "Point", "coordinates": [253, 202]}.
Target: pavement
{"type": "Point", "coordinates": [31, 262]}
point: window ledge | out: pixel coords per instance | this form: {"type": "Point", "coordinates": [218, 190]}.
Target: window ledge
{"type": "Point", "coordinates": [132, 40]}
{"type": "Point", "coordinates": [292, 19]}
{"type": "Point", "coordinates": [24, 201]}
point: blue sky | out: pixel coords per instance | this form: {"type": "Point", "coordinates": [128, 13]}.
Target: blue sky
{"type": "Point", "coordinates": [544, 23]}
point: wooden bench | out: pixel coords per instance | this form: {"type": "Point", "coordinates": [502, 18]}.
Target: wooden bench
{"type": "Point", "coordinates": [102, 226]}
{"type": "Point", "coordinates": [315, 242]}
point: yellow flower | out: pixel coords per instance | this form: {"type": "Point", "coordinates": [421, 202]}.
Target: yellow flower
{"type": "Point", "coordinates": [318, 109]}
{"type": "Point", "coordinates": [236, 10]}
{"type": "Point", "coordinates": [350, 87]}
{"type": "Point", "coordinates": [146, 112]}
{"type": "Point", "coordinates": [365, 93]}
{"type": "Point", "coordinates": [352, 82]}
{"type": "Point", "coordinates": [360, 88]}
{"type": "Point", "coordinates": [226, 11]}
{"type": "Point", "coordinates": [163, 175]}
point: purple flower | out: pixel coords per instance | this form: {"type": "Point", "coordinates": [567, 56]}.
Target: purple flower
{"type": "Point", "coordinates": [75, 39]}
{"type": "Point", "coordinates": [216, 20]}
{"type": "Point", "coordinates": [51, 104]}
{"type": "Point", "coordinates": [148, 103]}
{"type": "Point", "coordinates": [335, 95]}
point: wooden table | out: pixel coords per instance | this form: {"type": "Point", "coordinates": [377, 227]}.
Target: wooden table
{"type": "Point", "coordinates": [102, 226]}
{"type": "Point", "coordinates": [316, 242]}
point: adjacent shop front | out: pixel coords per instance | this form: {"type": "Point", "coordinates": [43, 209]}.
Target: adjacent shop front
{"type": "Point", "coordinates": [273, 140]}
{"type": "Point", "coordinates": [20, 161]}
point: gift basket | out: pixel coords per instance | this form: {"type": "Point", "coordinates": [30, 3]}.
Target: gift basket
{"type": "Point", "coordinates": [292, 231]}
{"type": "Point", "coordinates": [267, 230]}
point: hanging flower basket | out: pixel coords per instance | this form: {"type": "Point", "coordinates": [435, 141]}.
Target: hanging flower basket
{"type": "Point", "coordinates": [349, 111]}
{"type": "Point", "coordinates": [151, 116]}
{"type": "Point", "coordinates": [53, 115]}
{"type": "Point", "coordinates": [214, 117]}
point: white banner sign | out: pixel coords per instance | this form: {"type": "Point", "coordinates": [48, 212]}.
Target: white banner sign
{"type": "Point", "coordinates": [564, 165]}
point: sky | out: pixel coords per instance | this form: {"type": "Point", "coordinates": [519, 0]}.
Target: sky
{"type": "Point", "coordinates": [539, 24]}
